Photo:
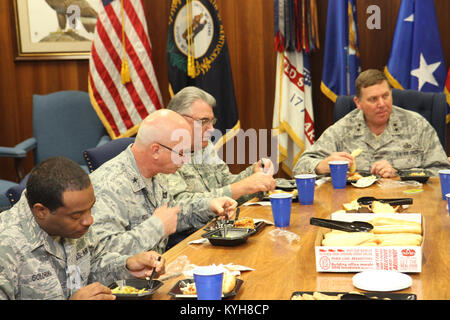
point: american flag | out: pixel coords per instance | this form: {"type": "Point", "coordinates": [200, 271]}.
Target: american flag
{"type": "Point", "coordinates": [122, 83]}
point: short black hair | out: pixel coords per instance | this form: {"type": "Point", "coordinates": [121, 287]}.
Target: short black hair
{"type": "Point", "coordinates": [49, 179]}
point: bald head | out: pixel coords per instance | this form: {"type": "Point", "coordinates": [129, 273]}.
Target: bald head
{"type": "Point", "coordinates": [162, 136]}
{"type": "Point", "coordinates": [161, 126]}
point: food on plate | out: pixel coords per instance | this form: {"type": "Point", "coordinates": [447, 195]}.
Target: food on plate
{"type": "Point", "coordinates": [316, 296]}
{"type": "Point", "coordinates": [245, 223]}
{"type": "Point", "coordinates": [228, 284]}
{"type": "Point", "coordinates": [375, 207]}
{"type": "Point", "coordinates": [417, 174]}
{"type": "Point", "coordinates": [355, 176]}
{"type": "Point", "coordinates": [293, 192]}
{"type": "Point", "coordinates": [128, 290]}
{"type": "Point", "coordinates": [189, 288]}
{"type": "Point", "coordinates": [354, 205]}
{"type": "Point", "coordinates": [386, 232]}
{"type": "Point", "coordinates": [354, 154]}
{"type": "Point", "coordinates": [380, 207]}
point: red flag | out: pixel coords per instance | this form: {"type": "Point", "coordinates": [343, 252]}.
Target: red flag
{"type": "Point", "coordinates": [122, 83]}
{"type": "Point", "coordinates": [447, 93]}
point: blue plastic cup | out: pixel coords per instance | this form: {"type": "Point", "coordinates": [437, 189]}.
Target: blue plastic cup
{"type": "Point", "coordinates": [306, 184]}
{"type": "Point", "coordinates": [281, 209]}
{"type": "Point", "coordinates": [338, 173]}
{"type": "Point", "coordinates": [444, 176]}
{"type": "Point", "coordinates": [208, 282]}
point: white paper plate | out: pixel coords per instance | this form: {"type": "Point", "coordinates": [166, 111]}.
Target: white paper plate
{"type": "Point", "coordinates": [381, 280]}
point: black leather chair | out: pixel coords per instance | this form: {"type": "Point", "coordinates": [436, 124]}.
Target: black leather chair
{"type": "Point", "coordinates": [95, 157]}
{"type": "Point", "coordinates": [432, 106]}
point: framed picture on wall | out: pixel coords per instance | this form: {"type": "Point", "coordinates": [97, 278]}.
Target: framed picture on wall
{"type": "Point", "coordinates": [55, 29]}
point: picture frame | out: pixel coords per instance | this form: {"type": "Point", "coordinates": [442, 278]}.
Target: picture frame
{"type": "Point", "coordinates": [44, 33]}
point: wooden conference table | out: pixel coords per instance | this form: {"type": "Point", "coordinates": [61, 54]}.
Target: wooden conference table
{"type": "Point", "coordinates": [282, 268]}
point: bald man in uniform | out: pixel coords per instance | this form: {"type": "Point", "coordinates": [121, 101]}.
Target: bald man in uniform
{"type": "Point", "coordinates": [134, 211]}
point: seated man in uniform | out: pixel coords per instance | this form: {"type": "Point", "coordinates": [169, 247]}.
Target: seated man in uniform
{"type": "Point", "coordinates": [391, 138]}
{"type": "Point", "coordinates": [206, 174]}
{"type": "Point", "coordinates": [134, 211]}
{"type": "Point", "coordinates": [47, 248]}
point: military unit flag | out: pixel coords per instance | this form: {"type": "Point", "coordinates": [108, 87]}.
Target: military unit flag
{"type": "Point", "coordinates": [416, 60]}
{"type": "Point", "coordinates": [197, 55]}
{"type": "Point", "coordinates": [341, 64]}
{"type": "Point", "coordinates": [122, 84]}
{"type": "Point", "coordinates": [293, 117]}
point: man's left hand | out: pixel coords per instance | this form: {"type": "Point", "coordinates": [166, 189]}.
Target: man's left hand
{"type": "Point", "coordinates": [383, 169]}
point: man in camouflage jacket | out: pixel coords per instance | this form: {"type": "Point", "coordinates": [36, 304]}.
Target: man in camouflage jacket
{"type": "Point", "coordinates": [391, 138]}
{"type": "Point", "coordinates": [48, 251]}
{"type": "Point", "coordinates": [206, 174]}
{"type": "Point", "coordinates": [134, 210]}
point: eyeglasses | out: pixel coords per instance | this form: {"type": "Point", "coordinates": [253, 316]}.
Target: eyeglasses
{"type": "Point", "coordinates": [178, 153]}
{"type": "Point", "coordinates": [205, 121]}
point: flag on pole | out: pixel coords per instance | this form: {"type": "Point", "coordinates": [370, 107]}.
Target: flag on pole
{"type": "Point", "coordinates": [197, 55]}
{"type": "Point", "coordinates": [293, 118]}
{"type": "Point", "coordinates": [341, 64]}
{"type": "Point", "coordinates": [293, 112]}
{"type": "Point", "coordinates": [447, 94]}
{"type": "Point", "coordinates": [416, 60]}
{"type": "Point", "coordinates": [122, 84]}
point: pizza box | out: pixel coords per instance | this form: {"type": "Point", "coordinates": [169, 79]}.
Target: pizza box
{"type": "Point", "coordinates": [361, 258]}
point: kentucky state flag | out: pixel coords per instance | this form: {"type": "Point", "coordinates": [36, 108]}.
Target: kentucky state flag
{"type": "Point", "coordinates": [416, 60]}
{"type": "Point", "coordinates": [341, 64]}
{"type": "Point", "coordinates": [197, 55]}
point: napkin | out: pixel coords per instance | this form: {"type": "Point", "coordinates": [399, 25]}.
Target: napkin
{"type": "Point", "coordinates": [260, 203]}
{"type": "Point", "coordinates": [198, 241]}
{"type": "Point", "coordinates": [234, 269]}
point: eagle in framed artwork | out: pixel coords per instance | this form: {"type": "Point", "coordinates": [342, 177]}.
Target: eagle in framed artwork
{"type": "Point", "coordinates": [69, 11]}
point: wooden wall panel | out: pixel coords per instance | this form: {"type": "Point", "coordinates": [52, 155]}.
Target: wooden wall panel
{"type": "Point", "coordinates": [249, 31]}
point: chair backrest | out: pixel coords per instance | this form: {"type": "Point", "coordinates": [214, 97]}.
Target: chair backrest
{"type": "Point", "coordinates": [65, 124]}
{"type": "Point", "coordinates": [95, 157]}
{"type": "Point", "coordinates": [432, 106]}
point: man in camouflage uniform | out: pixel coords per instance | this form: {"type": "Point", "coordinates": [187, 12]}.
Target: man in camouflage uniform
{"type": "Point", "coordinates": [134, 211]}
{"type": "Point", "coordinates": [391, 138]}
{"type": "Point", "coordinates": [48, 251]}
{"type": "Point", "coordinates": [206, 174]}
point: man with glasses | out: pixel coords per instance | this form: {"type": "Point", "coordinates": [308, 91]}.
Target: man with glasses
{"type": "Point", "coordinates": [206, 175]}
{"type": "Point", "coordinates": [134, 210]}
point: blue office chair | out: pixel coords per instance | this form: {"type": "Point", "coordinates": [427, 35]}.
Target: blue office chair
{"type": "Point", "coordinates": [4, 201]}
{"type": "Point", "coordinates": [95, 157]}
{"type": "Point", "coordinates": [64, 124]}
{"type": "Point", "coordinates": [432, 106]}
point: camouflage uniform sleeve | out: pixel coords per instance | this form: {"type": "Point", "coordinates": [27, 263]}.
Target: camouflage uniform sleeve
{"type": "Point", "coordinates": [322, 148]}
{"type": "Point", "coordinates": [8, 270]}
{"type": "Point", "coordinates": [435, 158]}
{"type": "Point", "coordinates": [106, 267]}
{"type": "Point", "coordinates": [195, 212]}
{"type": "Point", "coordinates": [124, 232]}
